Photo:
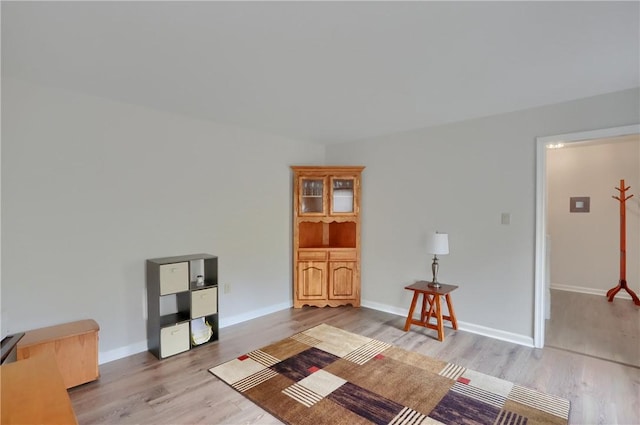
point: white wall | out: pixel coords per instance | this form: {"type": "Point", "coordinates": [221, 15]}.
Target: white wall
{"type": "Point", "coordinates": [585, 246]}
{"type": "Point", "coordinates": [459, 178]}
{"type": "Point", "coordinates": [91, 188]}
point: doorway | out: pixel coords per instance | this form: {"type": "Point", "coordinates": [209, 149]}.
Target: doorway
{"type": "Point", "coordinates": [542, 283]}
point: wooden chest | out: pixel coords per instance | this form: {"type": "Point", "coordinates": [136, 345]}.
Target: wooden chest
{"type": "Point", "coordinates": [74, 345]}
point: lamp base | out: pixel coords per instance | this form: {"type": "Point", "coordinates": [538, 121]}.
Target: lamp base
{"type": "Point", "coordinates": [434, 270]}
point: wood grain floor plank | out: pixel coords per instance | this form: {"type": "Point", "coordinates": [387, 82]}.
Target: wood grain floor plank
{"type": "Point", "coordinates": [588, 324]}
{"type": "Point", "coordinates": [179, 390]}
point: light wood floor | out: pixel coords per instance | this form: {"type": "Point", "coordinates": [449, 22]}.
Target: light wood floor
{"type": "Point", "coordinates": [180, 390]}
{"type": "Point", "coordinates": [591, 325]}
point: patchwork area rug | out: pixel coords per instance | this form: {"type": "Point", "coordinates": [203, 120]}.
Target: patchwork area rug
{"type": "Point", "coordinates": [326, 375]}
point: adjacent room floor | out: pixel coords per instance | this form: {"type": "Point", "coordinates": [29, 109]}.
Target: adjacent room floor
{"type": "Point", "coordinates": [589, 324]}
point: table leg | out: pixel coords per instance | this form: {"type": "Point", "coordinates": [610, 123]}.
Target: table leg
{"type": "Point", "coordinates": [423, 312]}
{"type": "Point", "coordinates": [440, 324]}
{"type": "Point", "coordinates": [407, 324]}
{"type": "Point", "coordinates": [452, 314]}
{"type": "Point", "coordinates": [431, 313]}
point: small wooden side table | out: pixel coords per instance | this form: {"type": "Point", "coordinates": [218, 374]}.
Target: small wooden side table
{"type": "Point", "coordinates": [431, 307]}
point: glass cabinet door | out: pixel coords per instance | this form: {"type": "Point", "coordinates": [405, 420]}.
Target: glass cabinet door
{"type": "Point", "coordinates": [342, 195]}
{"type": "Point", "coordinates": [311, 195]}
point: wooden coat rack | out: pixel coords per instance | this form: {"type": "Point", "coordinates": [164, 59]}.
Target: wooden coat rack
{"type": "Point", "coordinates": [622, 284]}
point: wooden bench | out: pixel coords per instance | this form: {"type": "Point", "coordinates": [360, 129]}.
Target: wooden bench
{"type": "Point", "coordinates": [74, 346]}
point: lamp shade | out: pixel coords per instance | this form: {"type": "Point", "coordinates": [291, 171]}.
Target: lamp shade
{"type": "Point", "coordinates": [439, 244]}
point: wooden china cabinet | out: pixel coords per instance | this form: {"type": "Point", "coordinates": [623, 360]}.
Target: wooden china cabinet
{"type": "Point", "coordinates": [326, 236]}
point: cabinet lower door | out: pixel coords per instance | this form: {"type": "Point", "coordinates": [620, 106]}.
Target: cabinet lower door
{"type": "Point", "coordinates": [343, 279]}
{"type": "Point", "coordinates": [312, 280]}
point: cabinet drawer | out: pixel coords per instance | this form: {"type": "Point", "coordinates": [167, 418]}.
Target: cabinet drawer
{"type": "Point", "coordinates": [342, 255]}
{"type": "Point", "coordinates": [174, 278]}
{"type": "Point", "coordinates": [204, 302]}
{"type": "Point", "coordinates": [174, 339]}
{"type": "Point", "coordinates": [312, 255]}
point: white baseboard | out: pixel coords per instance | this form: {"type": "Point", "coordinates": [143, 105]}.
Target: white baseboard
{"type": "Point", "coordinates": [138, 347]}
{"type": "Point", "coordinates": [496, 334]}
{"type": "Point", "coordinates": [119, 353]}
{"type": "Point", "coordinates": [384, 307]}
{"type": "Point", "coordinates": [254, 314]}
{"type": "Point", "coordinates": [591, 291]}
{"type": "Point", "coordinates": [463, 326]}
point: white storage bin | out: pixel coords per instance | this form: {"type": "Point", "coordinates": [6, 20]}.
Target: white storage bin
{"type": "Point", "coordinates": [174, 339]}
{"type": "Point", "coordinates": [204, 302]}
{"type": "Point", "coordinates": [174, 278]}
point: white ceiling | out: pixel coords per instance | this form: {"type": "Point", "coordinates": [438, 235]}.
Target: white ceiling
{"type": "Point", "coordinates": [327, 71]}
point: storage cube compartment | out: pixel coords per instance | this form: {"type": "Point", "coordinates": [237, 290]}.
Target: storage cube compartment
{"type": "Point", "coordinates": [204, 329]}
{"type": "Point", "coordinates": [174, 339]}
{"type": "Point", "coordinates": [174, 278]}
{"type": "Point", "coordinates": [174, 308]}
{"type": "Point", "coordinates": [204, 302]}
{"type": "Point", "coordinates": [207, 269]}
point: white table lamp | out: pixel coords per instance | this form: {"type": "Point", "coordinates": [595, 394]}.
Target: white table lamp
{"type": "Point", "coordinates": [438, 245]}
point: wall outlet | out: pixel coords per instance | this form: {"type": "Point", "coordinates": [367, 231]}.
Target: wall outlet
{"type": "Point", "coordinates": [226, 288]}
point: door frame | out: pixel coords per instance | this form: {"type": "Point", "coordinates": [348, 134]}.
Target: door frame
{"type": "Point", "coordinates": [541, 212]}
